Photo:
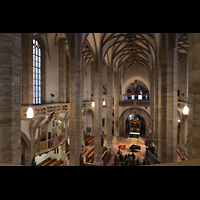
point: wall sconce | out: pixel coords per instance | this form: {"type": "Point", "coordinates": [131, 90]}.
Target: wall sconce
{"type": "Point", "coordinates": [185, 110]}
{"type": "Point", "coordinates": [93, 104]}
{"type": "Point", "coordinates": [104, 102]}
{"type": "Point", "coordinates": [29, 113]}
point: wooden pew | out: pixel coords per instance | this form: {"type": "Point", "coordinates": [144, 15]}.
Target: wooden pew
{"type": "Point", "coordinates": [84, 149]}
{"type": "Point", "coordinates": [180, 153]}
{"type": "Point", "coordinates": [104, 152]}
{"type": "Point", "coordinates": [89, 140]}
{"type": "Point", "coordinates": [107, 158]}
{"type": "Point", "coordinates": [51, 162]}
{"type": "Point", "coordinates": [58, 163]}
{"type": "Point", "coordinates": [92, 143]}
{"type": "Point", "coordinates": [89, 154]}
{"type": "Point", "coordinates": [44, 162]}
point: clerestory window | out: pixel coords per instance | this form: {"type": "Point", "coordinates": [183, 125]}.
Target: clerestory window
{"type": "Point", "coordinates": [36, 72]}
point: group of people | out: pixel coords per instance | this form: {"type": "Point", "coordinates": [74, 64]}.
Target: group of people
{"type": "Point", "coordinates": [127, 160]}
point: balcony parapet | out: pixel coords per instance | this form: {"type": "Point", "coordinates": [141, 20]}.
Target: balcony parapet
{"type": "Point", "coordinates": [143, 102]}
{"type": "Point", "coordinates": [47, 109]}
{"type": "Point", "coordinates": [130, 96]}
{"type": "Point", "coordinates": [44, 109]}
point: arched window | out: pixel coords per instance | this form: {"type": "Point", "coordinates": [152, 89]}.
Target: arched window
{"type": "Point", "coordinates": [36, 72]}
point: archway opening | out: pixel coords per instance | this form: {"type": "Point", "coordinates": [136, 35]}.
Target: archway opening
{"type": "Point", "coordinates": [88, 123]}
{"type": "Point", "coordinates": [142, 127]}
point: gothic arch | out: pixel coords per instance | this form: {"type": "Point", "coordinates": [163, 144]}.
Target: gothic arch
{"type": "Point", "coordinates": [133, 110]}
{"type": "Point", "coordinates": [84, 120]}
{"type": "Point", "coordinates": [26, 159]}
{"type": "Point", "coordinates": [26, 140]}
{"type": "Point", "coordinates": [87, 110]}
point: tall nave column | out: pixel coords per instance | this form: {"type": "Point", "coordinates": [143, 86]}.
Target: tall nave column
{"type": "Point", "coordinates": [109, 108]}
{"type": "Point", "coordinates": [194, 96]}
{"type": "Point", "coordinates": [75, 99]}
{"type": "Point", "coordinates": [184, 89]}
{"type": "Point", "coordinates": [116, 106]}
{"type": "Point", "coordinates": [10, 98]}
{"type": "Point", "coordinates": [167, 137]}
{"type": "Point", "coordinates": [97, 130]}
{"type": "Point", "coordinates": [62, 70]}
{"type": "Point", "coordinates": [27, 68]}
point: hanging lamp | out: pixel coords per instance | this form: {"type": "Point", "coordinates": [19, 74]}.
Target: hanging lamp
{"type": "Point", "coordinates": [93, 104]}
{"type": "Point", "coordinates": [29, 113]}
{"type": "Point", "coordinates": [185, 110]}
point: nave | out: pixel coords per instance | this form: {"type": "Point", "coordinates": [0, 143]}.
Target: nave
{"type": "Point", "coordinates": [124, 143]}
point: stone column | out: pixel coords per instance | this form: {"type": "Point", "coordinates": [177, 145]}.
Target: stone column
{"type": "Point", "coordinates": [116, 106]}
{"type": "Point", "coordinates": [67, 79]}
{"type": "Point", "coordinates": [158, 125]}
{"type": "Point", "coordinates": [10, 98]}
{"type": "Point", "coordinates": [152, 104]}
{"type": "Point", "coordinates": [75, 100]}
{"type": "Point", "coordinates": [92, 78]}
{"type": "Point", "coordinates": [194, 96]}
{"type": "Point", "coordinates": [83, 77]}
{"type": "Point", "coordinates": [184, 77]}
{"type": "Point", "coordinates": [184, 89]}
{"type": "Point", "coordinates": [27, 65]}
{"type": "Point", "coordinates": [154, 107]}
{"type": "Point", "coordinates": [62, 70]}
{"type": "Point", "coordinates": [168, 66]}
{"type": "Point", "coordinates": [155, 102]}
{"type": "Point", "coordinates": [109, 108]}
{"type": "Point", "coordinates": [97, 129]}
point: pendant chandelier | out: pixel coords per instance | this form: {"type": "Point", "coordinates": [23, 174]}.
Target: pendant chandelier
{"type": "Point", "coordinates": [29, 112]}
{"type": "Point", "coordinates": [185, 110]}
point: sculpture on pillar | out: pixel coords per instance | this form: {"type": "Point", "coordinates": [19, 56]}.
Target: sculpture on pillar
{"type": "Point", "coordinates": [104, 90]}
{"type": "Point", "coordinates": [135, 87]}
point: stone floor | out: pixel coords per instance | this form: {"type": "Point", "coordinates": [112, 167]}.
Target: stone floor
{"type": "Point", "coordinates": [128, 142]}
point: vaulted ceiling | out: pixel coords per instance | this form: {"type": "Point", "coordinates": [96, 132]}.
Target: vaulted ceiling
{"type": "Point", "coordinates": [120, 50]}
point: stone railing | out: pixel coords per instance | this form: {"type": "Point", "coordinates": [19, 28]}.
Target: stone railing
{"type": "Point", "coordinates": [152, 159]}
{"type": "Point", "coordinates": [130, 96]}
{"type": "Point", "coordinates": [190, 162]}
{"type": "Point", "coordinates": [143, 102]}
{"type": "Point", "coordinates": [47, 109]}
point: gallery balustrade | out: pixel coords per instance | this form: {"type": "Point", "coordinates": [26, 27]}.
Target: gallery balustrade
{"type": "Point", "coordinates": [130, 96]}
